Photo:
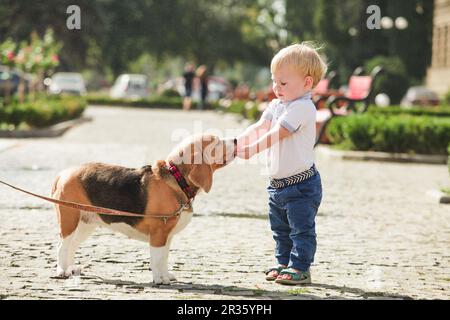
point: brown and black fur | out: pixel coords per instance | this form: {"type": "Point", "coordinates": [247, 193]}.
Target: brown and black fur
{"type": "Point", "coordinates": [118, 188]}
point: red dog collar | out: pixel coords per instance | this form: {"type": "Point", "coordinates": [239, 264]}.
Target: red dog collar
{"type": "Point", "coordinates": [176, 173]}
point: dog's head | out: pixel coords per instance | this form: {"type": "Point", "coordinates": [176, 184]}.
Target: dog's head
{"type": "Point", "coordinates": [200, 156]}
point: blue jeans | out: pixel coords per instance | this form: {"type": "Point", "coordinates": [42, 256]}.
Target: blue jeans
{"type": "Point", "coordinates": [292, 213]}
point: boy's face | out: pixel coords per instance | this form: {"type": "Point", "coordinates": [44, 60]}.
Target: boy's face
{"type": "Point", "coordinates": [289, 84]}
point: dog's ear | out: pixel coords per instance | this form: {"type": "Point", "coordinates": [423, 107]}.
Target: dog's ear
{"type": "Point", "coordinates": [201, 176]}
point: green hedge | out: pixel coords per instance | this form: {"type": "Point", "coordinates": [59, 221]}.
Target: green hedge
{"type": "Point", "coordinates": [245, 108]}
{"type": "Point", "coordinates": [440, 111]}
{"type": "Point", "coordinates": [42, 112]}
{"type": "Point", "coordinates": [163, 101]}
{"type": "Point", "coordinates": [248, 109]}
{"type": "Point", "coordinates": [160, 101]}
{"type": "Point", "coordinates": [398, 134]}
{"type": "Point", "coordinates": [170, 93]}
{"type": "Point", "coordinates": [394, 81]}
{"type": "Point", "coordinates": [447, 98]}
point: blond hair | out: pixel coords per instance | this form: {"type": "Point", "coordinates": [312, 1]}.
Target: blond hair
{"type": "Point", "coordinates": [304, 58]}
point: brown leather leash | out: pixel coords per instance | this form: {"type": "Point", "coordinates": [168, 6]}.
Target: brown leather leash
{"type": "Point", "coordinates": [101, 210]}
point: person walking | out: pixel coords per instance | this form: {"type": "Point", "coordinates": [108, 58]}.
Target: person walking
{"type": "Point", "coordinates": [188, 75]}
{"type": "Point", "coordinates": [202, 74]}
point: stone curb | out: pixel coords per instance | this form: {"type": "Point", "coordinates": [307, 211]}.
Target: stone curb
{"type": "Point", "coordinates": [54, 131]}
{"type": "Point", "coordinates": [383, 156]}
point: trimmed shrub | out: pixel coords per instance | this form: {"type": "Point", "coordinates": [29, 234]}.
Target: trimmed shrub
{"type": "Point", "coordinates": [233, 107]}
{"type": "Point", "coordinates": [440, 111]}
{"type": "Point", "coordinates": [253, 112]}
{"type": "Point", "coordinates": [170, 93]}
{"type": "Point", "coordinates": [174, 102]}
{"type": "Point", "coordinates": [43, 112]}
{"type": "Point", "coordinates": [447, 98]}
{"type": "Point", "coordinates": [398, 134]}
{"type": "Point", "coordinates": [153, 102]}
{"type": "Point", "coordinates": [394, 81]}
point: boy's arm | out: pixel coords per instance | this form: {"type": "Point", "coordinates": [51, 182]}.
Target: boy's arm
{"type": "Point", "coordinates": [253, 133]}
{"type": "Point", "coordinates": [265, 141]}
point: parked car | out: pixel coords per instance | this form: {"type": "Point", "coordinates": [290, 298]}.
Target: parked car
{"type": "Point", "coordinates": [420, 96]}
{"type": "Point", "coordinates": [10, 79]}
{"type": "Point", "coordinates": [66, 82]}
{"type": "Point", "coordinates": [130, 86]}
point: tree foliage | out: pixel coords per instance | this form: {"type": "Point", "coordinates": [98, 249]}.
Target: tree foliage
{"type": "Point", "coordinates": [341, 25]}
{"type": "Point", "coordinates": [114, 33]}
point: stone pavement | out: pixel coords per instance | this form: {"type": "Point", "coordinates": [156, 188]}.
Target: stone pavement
{"type": "Point", "coordinates": [379, 235]}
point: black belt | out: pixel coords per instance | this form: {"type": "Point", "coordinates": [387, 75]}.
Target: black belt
{"type": "Point", "coordinates": [286, 182]}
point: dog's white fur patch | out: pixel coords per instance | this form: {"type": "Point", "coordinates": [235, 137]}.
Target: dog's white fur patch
{"type": "Point", "coordinates": [158, 263]}
{"type": "Point", "coordinates": [183, 221]}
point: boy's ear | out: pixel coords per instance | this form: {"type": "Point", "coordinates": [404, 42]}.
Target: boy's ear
{"type": "Point", "coordinates": [309, 82]}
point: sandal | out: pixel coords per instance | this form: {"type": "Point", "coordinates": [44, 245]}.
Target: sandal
{"type": "Point", "coordinates": [273, 273]}
{"type": "Point", "coordinates": [293, 277]}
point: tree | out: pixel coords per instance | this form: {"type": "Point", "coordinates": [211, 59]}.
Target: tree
{"type": "Point", "coordinates": [299, 17]}
{"type": "Point", "coordinates": [114, 33]}
{"type": "Point", "coordinates": [414, 44]}
{"type": "Point", "coordinates": [19, 19]}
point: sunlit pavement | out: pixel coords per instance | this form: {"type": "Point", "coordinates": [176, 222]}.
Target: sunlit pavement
{"type": "Point", "coordinates": [380, 235]}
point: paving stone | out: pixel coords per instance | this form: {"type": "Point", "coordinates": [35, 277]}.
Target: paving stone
{"type": "Point", "coordinates": [379, 235]}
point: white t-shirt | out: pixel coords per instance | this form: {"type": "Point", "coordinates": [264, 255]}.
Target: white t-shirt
{"type": "Point", "coordinates": [295, 153]}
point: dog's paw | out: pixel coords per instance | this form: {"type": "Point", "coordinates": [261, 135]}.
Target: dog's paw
{"type": "Point", "coordinates": [62, 274]}
{"type": "Point", "coordinates": [75, 270]}
{"type": "Point", "coordinates": [171, 276]}
{"type": "Point", "coordinates": [66, 274]}
{"type": "Point", "coordinates": [161, 279]}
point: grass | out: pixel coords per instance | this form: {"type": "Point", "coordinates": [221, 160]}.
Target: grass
{"type": "Point", "coordinates": [299, 291]}
{"type": "Point", "coordinates": [446, 191]}
{"type": "Point", "coordinates": [258, 292]}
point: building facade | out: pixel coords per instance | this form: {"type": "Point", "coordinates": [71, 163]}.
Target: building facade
{"type": "Point", "coordinates": [438, 78]}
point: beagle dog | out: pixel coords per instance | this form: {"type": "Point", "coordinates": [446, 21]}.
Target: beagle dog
{"type": "Point", "coordinates": [161, 193]}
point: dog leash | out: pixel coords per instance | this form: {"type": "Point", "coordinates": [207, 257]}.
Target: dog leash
{"type": "Point", "coordinates": [101, 210]}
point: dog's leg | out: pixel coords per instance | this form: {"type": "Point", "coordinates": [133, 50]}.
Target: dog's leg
{"type": "Point", "coordinates": [158, 263]}
{"type": "Point", "coordinates": [83, 232]}
{"type": "Point", "coordinates": [68, 222]}
{"type": "Point", "coordinates": [170, 275]}
{"type": "Point", "coordinates": [63, 257]}
{"type": "Point", "coordinates": [159, 260]}
{"type": "Point", "coordinates": [159, 250]}
{"type": "Point", "coordinates": [68, 247]}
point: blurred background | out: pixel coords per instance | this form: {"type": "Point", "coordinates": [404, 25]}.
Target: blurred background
{"type": "Point", "coordinates": [394, 59]}
{"type": "Point", "coordinates": [235, 39]}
